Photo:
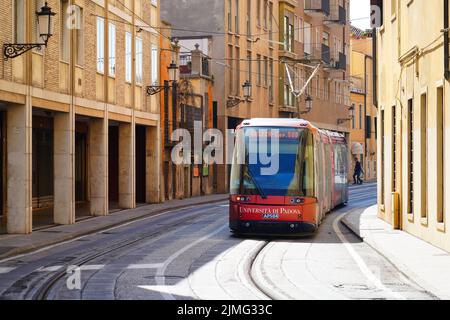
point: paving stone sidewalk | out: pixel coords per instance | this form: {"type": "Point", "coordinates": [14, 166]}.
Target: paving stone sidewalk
{"type": "Point", "coordinates": [420, 261]}
{"type": "Point", "coordinates": [12, 245]}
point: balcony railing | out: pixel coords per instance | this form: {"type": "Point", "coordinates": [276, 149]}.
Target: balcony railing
{"type": "Point", "coordinates": [318, 52]}
{"type": "Point", "coordinates": [338, 16]}
{"type": "Point", "coordinates": [186, 66]}
{"type": "Point", "coordinates": [317, 7]}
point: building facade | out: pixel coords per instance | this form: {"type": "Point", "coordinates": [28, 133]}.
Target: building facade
{"type": "Point", "coordinates": [413, 81]}
{"type": "Point", "coordinates": [251, 41]}
{"type": "Point", "coordinates": [316, 32]}
{"type": "Point", "coordinates": [186, 105]}
{"type": "Point", "coordinates": [363, 125]}
{"type": "Point", "coordinates": [80, 136]}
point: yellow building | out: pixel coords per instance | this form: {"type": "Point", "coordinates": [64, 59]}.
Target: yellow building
{"type": "Point", "coordinates": [364, 113]}
{"type": "Point", "coordinates": [80, 135]}
{"type": "Point", "coordinates": [413, 82]}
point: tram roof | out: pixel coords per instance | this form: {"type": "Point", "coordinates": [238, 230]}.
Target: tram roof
{"type": "Point", "coordinates": [277, 122]}
{"type": "Point", "coordinates": [290, 123]}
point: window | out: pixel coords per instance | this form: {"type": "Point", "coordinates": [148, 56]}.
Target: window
{"type": "Point", "coordinates": [230, 19]}
{"type": "Point", "coordinates": [353, 115]}
{"type": "Point", "coordinates": [112, 50]}
{"type": "Point", "coordinates": [326, 39]}
{"type": "Point", "coordinates": [236, 17]}
{"type": "Point", "coordinates": [270, 23]}
{"type": "Point", "coordinates": [270, 80]}
{"type": "Point", "coordinates": [154, 64]}
{"type": "Point", "coordinates": [382, 173]}
{"type": "Point", "coordinates": [360, 117]}
{"type": "Point", "coordinates": [100, 45]}
{"type": "Point", "coordinates": [258, 12]}
{"type": "Point", "coordinates": [300, 31]}
{"type": "Point", "coordinates": [394, 149]}
{"type": "Point", "coordinates": [249, 66]}
{"type": "Point", "coordinates": [128, 53]}
{"type": "Point", "coordinates": [393, 7]}
{"type": "Point", "coordinates": [249, 18]}
{"type": "Point", "coordinates": [440, 154]}
{"type": "Point", "coordinates": [266, 71]}
{"type": "Point", "coordinates": [266, 5]}
{"type": "Point", "coordinates": [307, 38]}
{"type": "Point", "coordinates": [258, 59]}
{"type": "Point", "coordinates": [424, 155]}
{"type": "Point", "coordinates": [139, 53]}
{"type": "Point", "coordinates": [230, 70]}
{"type": "Point", "coordinates": [410, 156]}
{"type": "Point", "coordinates": [238, 73]}
{"type": "Point", "coordinates": [79, 39]}
{"type": "Point", "coordinates": [65, 33]}
{"type": "Point", "coordinates": [19, 21]}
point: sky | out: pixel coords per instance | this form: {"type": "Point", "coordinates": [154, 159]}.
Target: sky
{"type": "Point", "coordinates": [359, 13]}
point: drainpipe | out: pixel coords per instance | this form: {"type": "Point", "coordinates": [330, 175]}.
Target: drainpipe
{"type": "Point", "coordinates": [446, 40]}
{"type": "Point", "coordinates": [375, 67]}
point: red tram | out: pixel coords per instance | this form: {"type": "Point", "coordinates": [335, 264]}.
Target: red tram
{"type": "Point", "coordinates": [310, 180]}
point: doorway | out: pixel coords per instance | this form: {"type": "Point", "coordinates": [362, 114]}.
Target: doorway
{"type": "Point", "coordinates": [2, 172]}
{"type": "Point", "coordinates": [81, 200]}
{"type": "Point", "coordinates": [113, 167]}
{"type": "Point", "coordinates": [42, 167]}
{"type": "Point", "coordinates": [141, 170]}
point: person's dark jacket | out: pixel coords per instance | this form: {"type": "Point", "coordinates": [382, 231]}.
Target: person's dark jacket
{"type": "Point", "coordinates": [358, 168]}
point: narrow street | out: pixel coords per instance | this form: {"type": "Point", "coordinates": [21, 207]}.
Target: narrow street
{"type": "Point", "coordinates": [190, 254]}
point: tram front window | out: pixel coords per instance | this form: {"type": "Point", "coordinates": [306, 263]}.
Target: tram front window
{"type": "Point", "coordinates": [295, 156]}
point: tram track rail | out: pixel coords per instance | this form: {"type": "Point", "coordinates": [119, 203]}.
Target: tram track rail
{"type": "Point", "coordinates": [45, 285]}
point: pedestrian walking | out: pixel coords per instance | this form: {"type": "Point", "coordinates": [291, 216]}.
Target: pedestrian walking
{"type": "Point", "coordinates": [358, 172]}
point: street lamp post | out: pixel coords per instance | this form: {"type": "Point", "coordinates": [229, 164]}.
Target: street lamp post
{"type": "Point", "coordinates": [45, 27]}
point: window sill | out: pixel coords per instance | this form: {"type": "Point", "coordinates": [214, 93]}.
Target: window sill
{"type": "Point", "coordinates": [441, 227]}
{"type": "Point", "coordinates": [424, 222]}
{"type": "Point", "coordinates": [410, 217]}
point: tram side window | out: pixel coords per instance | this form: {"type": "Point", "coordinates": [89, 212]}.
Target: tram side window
{"type": "Point", "coordinates": [308, 172]}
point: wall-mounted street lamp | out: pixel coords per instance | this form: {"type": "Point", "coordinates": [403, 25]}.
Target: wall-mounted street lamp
{"type": "Point", "coordinates": [247, 87]}
{"type": "Point", "coordinates": [45, 27]}
{"type": "Point", "coordinates": [350, 118]}
{"type": "Point", "coordinates": [173, 78]}
{"type": "Point", "coordinates": [308, 104]}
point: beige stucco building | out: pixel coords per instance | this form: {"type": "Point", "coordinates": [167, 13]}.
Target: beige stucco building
{"type": "Point", "coordinates": [414, 151]}
{"type": "Point", "coordinates": [80, 136]}
{"type": "Point", "coordinates": [363, 124]}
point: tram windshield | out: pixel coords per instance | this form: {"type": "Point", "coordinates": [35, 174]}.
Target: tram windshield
{"type": "Point", "coordinates": [295, 156]}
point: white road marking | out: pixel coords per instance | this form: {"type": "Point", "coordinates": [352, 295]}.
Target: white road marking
{"type": "Point", "coordinates": [360, 262]}
{"type": "Point", "coordinates": [49, 269]}
{"type": "Point", "coordinates": [4, 270]}
{"type": "Point", "coordinates": [182, 287]}
{"type": "Point", "coordinates": [144, 266]}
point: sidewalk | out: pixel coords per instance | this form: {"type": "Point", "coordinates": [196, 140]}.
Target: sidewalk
{"type": "Point", "coordinates": [11, 245]}
{"type": "Point", "coordinates": [420, 261]}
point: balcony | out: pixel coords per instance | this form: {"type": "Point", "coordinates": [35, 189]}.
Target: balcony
{"type": "Point", "coordinates": [337, 17]}
{"type": "Point", "coordinates": [189, 67]}
{"type": "Point", "coordinates": [337, 63]}
{"type": "Point", "coordinates": [317, 53]}
{"type": "Point", "coordinates": [317, 8]}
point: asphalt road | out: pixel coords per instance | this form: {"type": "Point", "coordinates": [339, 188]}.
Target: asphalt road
{"type": "Point", "coordinates": [190, 254]}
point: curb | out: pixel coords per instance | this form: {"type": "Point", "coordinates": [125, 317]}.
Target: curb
{"type": "Point", "coordinates": [407, 272]}
{"type": "Point", "coordinates": [72, 236]}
